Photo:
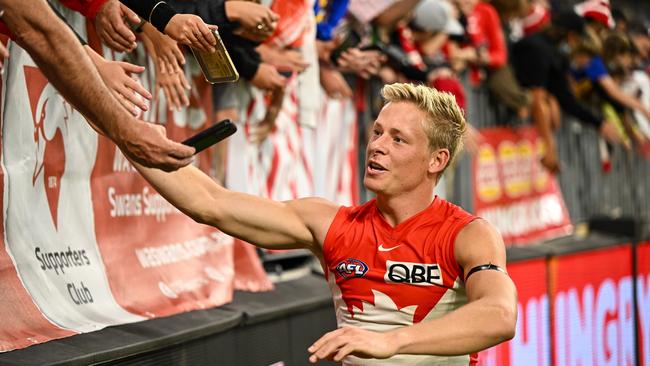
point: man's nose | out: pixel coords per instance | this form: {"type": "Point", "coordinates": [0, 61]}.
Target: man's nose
{"type": "Point", "coordinates": [378, 144]}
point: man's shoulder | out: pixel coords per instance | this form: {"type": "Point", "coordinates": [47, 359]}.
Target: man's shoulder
{"type": "Point", "coordinates": [357, 213]}
{"type": "Point", "coordinates": [452, 211]}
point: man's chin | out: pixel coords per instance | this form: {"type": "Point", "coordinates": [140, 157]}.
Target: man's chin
{"type": "Point", "coordinates": [371, 185]}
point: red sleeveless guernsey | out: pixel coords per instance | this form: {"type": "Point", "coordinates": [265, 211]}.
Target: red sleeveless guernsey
{"type": "Point", "coordinates": [384, 277]}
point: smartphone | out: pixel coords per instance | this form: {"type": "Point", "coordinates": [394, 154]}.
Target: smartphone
{"type": "Point", "coordinates": [211, 135]}
{"type": "Point", "coordinates": [286, 73]}
{"type": "Point", "coordinates": [351, 40]}
{"type": "Point", "coordinates": [217, 67]}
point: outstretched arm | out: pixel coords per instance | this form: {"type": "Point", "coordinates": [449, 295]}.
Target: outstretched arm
{"type": "Point", "coordinates": [263, 222]}
{"type": "Point", "coordinates": [488, 319]}
{"type": "Point", "coordinates": [64, 62]}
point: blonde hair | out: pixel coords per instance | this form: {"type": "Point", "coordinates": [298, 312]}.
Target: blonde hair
{"type": "Point", "coordinates": [445, 124]}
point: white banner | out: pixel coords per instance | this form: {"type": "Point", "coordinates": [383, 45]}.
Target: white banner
{"type": "Point", "coordinates": [48, 156]}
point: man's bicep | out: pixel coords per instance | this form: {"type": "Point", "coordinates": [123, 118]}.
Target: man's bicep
{"type": "Point", "coordinates": [479, 243]}
{"type": "Point", "coordinates": [494, 286]}
{"type": "Point", "coordinates": [481, 253]}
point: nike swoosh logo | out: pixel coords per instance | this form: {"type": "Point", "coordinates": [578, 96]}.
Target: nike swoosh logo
{"type": "Point", "coordinates": [384, 249]}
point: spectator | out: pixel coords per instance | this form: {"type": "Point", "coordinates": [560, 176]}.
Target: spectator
{"type": "Point", "coordinates": [541, 67]}
{"type": "Point", "coordinates": [488, 49]}
{"type": "Point", "coordinates": [591, 74]}
{"type": "Point", "coordinates": [66, 65]}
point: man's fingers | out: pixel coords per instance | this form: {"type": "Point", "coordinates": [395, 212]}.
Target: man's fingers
{"type": "Point", "coordinates": [120, 32]}
{"type": "Point", "coordinates": [206, 33]}
{"type": "Point", "coordinates": [124, 32]}
{"type": "Point", "coordinates": [130, 14]}
{"type": "Point", "coordinates": [138, 88]}
{"type": "Point", "coordinates": [184, 81]}
{"type": "Point", "coordinates": [134, 97]}
{"type": "Point", "coordinates": [110, 42]}
{"type": "Point", "coordinates": [342, 352]}
{"type": "Point", "coordinates": [171, 163]}
{"type": "Point", "coordinates": [328, 350]}
{"type": "Point", "coordinates": [322, 340]}
{"type": "Point", "coordinates": [180, 91]}
{"type": "Point", "coordinates": [179, 151]}
{"type": "Point", "coordinates": [174, 102]}
{"type": "Point", "coordinates": [167, 97]}
{"type": "Point", "coordinates": [130, 68]}
{"type": "Point", "coordinates": [127, 104]}
{"type": "Point", "coordinates": [179, 55]}
{"type": "Point", "coordinates": [203, 35]}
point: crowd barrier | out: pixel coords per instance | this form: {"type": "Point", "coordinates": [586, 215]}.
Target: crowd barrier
{"type": "Point", "coordinates": [86, 242]}
{"type": "Point", "coordinates": [581, 302]}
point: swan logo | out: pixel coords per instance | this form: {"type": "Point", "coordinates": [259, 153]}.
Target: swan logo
{"type": "Point", "coordinates": [49, 133]}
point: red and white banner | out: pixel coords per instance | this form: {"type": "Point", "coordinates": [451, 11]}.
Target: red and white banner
{"type": "Point", "coordinates": [87, 242]}
{"type": "Point", "coordinates": [513, 191]}
{"type": "Point", "coordinates": [593, 315]}
{"type": "Point", "coordinates": [530, 346]}
{"type": "Point", "coordinates": [643, 301]}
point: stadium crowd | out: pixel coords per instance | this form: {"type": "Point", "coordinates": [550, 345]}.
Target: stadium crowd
{"type": "Point", "coordinates": [538, 59]}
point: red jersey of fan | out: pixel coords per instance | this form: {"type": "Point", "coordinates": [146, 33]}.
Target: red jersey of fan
{"type": "Point", "coordinates": [384, 277]}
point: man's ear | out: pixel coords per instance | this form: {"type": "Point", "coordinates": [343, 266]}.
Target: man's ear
{"type": "Point", "coordinates": [438, 161]}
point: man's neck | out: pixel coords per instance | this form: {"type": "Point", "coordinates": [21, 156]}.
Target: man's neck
{"type": "Point", "coordinates": [397, 209]}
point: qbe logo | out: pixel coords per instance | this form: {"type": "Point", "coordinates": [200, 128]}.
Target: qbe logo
{"type": "Point", "coordinates": [420, 274]}
{"type": "Point", "coordinates": [351, 268]}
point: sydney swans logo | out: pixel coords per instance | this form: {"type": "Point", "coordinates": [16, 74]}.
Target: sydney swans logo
{"type": "Point", "coordinates": [50, 113]}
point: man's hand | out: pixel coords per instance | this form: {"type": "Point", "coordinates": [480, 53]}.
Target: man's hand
{"type": "Point", "coordinates": [130, 93]}
{"type": "Point", "coordinates": [112, 28]}
{"type": "Point", "coordinates": [174, 86]}
{"type": "Point", "coordinates": [282, 59]}
{"type": "Point", "coordinates": [147, 144]}
{"type": "Point", "coordinates": [190, 30]}
{"type": "Point", "coordinates": [364, 63]}
{"type": "Point", "coordinates": [117, 77]}
{"type": "Point", "coordinates": [334, 83]}
{"type": "Point", "coordinates": [268, 78]}
{"type": "Point", "coordinates": [162, 48]}
{"type": "Point", "coordinates": [339, 343]}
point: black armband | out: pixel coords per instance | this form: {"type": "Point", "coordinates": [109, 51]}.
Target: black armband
{"type": "Point", "coordinates": [483, 267]}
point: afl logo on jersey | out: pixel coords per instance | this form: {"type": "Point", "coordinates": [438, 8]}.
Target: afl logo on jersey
{"type": "Point", "coordinates": [351, 268]}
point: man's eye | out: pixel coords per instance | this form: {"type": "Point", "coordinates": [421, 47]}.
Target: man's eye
{"type": "Point", "coordinates": [397, 139]}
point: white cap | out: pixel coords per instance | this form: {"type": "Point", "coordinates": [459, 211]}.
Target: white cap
{"type": "Point", "coordinates": [436, 16]}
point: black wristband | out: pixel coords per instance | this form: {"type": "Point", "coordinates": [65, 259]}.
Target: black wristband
{"type": "Point", "coordinates": [483, 267]}
{"type": "Point", "coordinates": [138, 27]}
{"type": "Point", "coordinates": [160, 15]}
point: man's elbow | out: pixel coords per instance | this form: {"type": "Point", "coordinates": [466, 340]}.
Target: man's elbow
{"type": "Point", "coordinates": [506, 322]}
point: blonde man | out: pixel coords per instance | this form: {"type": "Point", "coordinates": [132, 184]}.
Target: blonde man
{"type": "Point", "coordinates": [415, 279]}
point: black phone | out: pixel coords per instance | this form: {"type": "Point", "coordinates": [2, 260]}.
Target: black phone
{"type": "Point", "coordinates": [351, 40]}
{"type": "Point", "coordinates": [286, 73]}
{"type": "Point", "coordinates": [211, 135]}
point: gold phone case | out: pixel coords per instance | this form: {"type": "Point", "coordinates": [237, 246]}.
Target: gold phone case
{"type": "Point", "coordinates": [217, 66]}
